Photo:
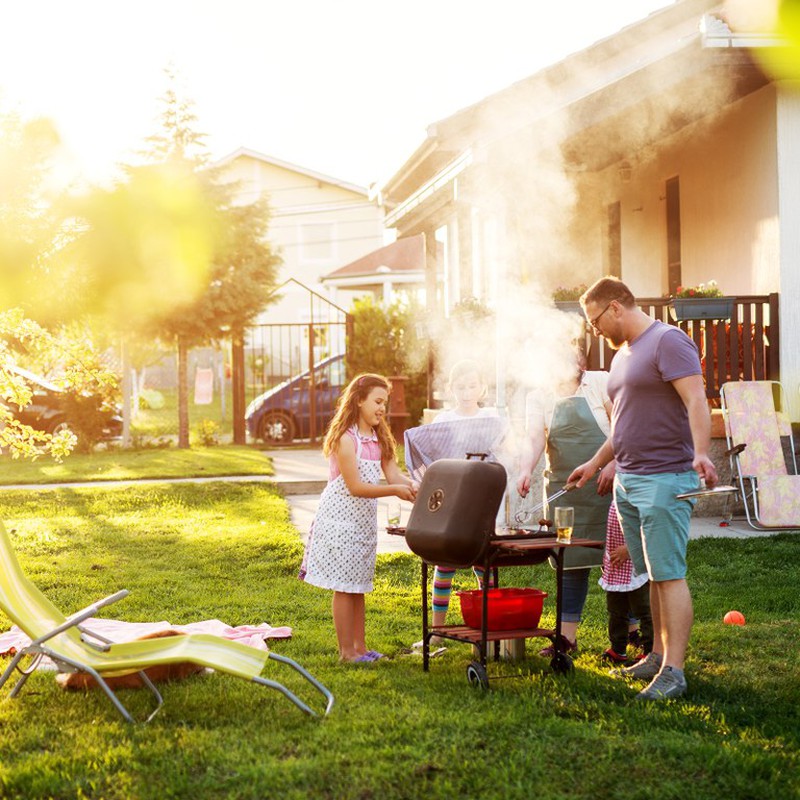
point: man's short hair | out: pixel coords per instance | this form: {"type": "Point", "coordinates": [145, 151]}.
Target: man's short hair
{"type": "Point", "coordinates": [607, 289]}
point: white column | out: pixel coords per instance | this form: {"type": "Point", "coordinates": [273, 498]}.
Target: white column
{"type": "Point", "coordinates": [788, 147]}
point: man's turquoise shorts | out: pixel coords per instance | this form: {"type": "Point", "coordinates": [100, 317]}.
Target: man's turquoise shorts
{"type": "Point", "coordinates": [655, 523]}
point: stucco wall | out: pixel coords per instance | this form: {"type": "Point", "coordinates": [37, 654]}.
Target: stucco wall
{"type": "Point", "coordinates": [727, 167]}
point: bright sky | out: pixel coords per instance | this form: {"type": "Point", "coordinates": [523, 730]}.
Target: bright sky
{"type": "Point", "coordinates": [343, 87]}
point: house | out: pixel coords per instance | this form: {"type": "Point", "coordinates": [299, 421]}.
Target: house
{"type": "Point", "coordinates": [318, 224]}
{"type": "Point", "coordinates": [665, 154]}
{"type": "Point", "coordinates": [398, 267]}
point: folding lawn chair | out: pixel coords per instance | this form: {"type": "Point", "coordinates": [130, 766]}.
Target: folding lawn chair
{"type": "Point", "coordinates": [755, 425]}
{"type": "Point", "coordinates": [73, 648]}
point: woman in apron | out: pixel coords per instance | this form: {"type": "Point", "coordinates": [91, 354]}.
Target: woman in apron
{"type": "Point", "coordinates": [570, 429]}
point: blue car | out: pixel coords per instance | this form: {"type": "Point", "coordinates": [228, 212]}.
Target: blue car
{"type": "Point", "coordinates": [284, 413]}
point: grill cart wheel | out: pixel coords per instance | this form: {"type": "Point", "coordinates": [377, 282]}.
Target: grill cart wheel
{"type": "Point", "coordinates": [476, 675]}
{"type": "Point", "coordinates": [561, 663]}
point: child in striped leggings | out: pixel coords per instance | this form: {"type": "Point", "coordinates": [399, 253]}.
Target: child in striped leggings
{"type": "Point", "coordinates": [468, 388]}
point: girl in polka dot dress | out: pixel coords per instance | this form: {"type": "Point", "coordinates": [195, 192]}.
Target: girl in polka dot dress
{"type": "Point", "coordinates": [342, 545]}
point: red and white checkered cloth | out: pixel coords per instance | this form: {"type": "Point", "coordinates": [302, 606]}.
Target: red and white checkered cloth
{"type": "Point", "coordinates": [617, 577]}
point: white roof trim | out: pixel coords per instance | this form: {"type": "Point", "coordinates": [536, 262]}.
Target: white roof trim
{"type": "Point", "coordinates": [246, 152]}
{"type": "Point", "coordinates": [716, 33]}
{"type": "Point", "coordinates": [373, 279]}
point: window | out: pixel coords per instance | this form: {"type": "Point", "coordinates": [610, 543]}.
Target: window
{"type": "Point", "coordinates": [673, 193]}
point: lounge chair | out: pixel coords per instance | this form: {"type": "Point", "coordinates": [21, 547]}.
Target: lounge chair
{"type": "Point", "coordinates": [756, 428]}
{"type": "Point", "coordinates": [72, 647]}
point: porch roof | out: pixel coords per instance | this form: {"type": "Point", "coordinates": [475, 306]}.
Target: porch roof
{"type": "Point", "coordinates": [592, 97]}
{"type": "Point", "coordinates": [399, 259]}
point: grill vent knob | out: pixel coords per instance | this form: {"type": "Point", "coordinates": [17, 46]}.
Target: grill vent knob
{"type": "Point", "coordinates": [436, 500]}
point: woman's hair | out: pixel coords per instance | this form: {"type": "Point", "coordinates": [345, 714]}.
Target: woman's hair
{"type": "Point", "coordinates": [466, 367]}
{"type": "Point", "coordinates": [347, 414]}
{"type": "Point", "coordinates": [607, 289]}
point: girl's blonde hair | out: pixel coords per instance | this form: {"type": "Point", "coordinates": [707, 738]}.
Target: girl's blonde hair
{"type": "Point", "coordinates": [467, 366]}
{"type": "Point", "coordinates": [347, 414]}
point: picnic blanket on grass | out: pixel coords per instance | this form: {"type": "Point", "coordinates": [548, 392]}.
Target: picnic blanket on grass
{"type": "Point", "coordinates": [119, 631]}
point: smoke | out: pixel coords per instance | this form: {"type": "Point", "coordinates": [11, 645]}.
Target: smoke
{"type": "Point", "coordinates": [546, 157]}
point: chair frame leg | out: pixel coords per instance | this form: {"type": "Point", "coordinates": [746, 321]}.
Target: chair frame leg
{"type": "Point", "coordinates": [37, 652]}
{"type": "Point", "coordinates": [289, 694]}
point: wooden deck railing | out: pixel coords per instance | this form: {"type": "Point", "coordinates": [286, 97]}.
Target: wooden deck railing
{"type": "Point", "coordinates": [744, 348]}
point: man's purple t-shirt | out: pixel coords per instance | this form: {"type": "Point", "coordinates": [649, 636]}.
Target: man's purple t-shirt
{"type": "Point", "coordinates": [649, 422]}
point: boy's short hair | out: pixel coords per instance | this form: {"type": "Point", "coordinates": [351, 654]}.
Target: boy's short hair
{"type": "Point", "coordinates": [465, 367]}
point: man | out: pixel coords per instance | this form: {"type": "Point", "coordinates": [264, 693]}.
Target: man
{"type": "Point", "coordinates": [660, 435]}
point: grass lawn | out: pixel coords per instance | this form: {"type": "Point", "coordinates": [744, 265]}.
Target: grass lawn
{"type": "Point", "coordinates": [118, 465]}
{"type": "Point", "coordinates": [189, 552]}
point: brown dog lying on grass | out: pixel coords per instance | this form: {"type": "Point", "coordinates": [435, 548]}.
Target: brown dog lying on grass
{"type": "Point", "coordinates": [162, 672]}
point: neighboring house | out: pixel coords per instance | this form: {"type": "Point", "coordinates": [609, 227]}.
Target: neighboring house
{"type": "Point", "coordinates": [318, 223]}
{"type": "Point", "coordinates": [397, 268]}
{"type": "Point", "coordinates": [663, 154]}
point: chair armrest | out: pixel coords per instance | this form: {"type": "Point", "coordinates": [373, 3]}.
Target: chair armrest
{"type": "Point", "coordinates": [75, 620]}
{"type": "Point", "coordinates": [96, 640]}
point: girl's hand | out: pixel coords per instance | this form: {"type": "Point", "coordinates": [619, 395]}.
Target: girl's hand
{"type": "Point", "coordinates": [619, 555]}
{"type": "Point", "coordinates": [404, 492]}
{"type": "Point", "coordinates": [523, 485]}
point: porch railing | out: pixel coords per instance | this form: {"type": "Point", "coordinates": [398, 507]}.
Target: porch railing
{"type": "Point", "coordinates": [744, 348]}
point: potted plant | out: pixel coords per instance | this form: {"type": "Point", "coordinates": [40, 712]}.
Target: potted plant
{"type": "Point", "coordinates": [566, 298]}
{"type": "Point", "coordinates": [704, 301]}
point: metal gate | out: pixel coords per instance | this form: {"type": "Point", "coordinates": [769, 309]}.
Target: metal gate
{"type": "Point", "coordinates": [295, 371]}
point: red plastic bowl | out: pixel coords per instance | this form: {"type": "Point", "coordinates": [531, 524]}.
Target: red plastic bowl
{"type": "Point", "coordinates": [509, 609]}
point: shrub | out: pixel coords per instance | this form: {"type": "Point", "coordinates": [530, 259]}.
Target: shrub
{"type": "Point", "coordinates": [208, 433]}
{"type": "Point", "coordinates": [151, 398]}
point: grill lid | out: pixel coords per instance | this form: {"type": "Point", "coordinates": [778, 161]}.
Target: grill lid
{"type": "Point", "coordinates": [454, 515]}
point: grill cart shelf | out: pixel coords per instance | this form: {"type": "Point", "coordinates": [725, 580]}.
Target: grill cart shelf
{"type": "Point", "coordinates": [453, 524]}
{"type": "Point", "coordinates": [505, 551]}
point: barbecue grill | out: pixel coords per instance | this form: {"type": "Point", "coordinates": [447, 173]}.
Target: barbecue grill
{"type": "Point", "coordinates": [453, 524]}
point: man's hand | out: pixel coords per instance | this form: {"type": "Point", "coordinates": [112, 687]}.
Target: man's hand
{"type": "Point", "coordinates": [605, 480]}
{"type": "Point", "coordinates": [705, 468]}
{"type": "Point", "coordinates": [582, 474]}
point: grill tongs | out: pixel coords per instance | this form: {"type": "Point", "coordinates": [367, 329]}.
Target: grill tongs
{"type": "Point", "coordinates": [523, 515]}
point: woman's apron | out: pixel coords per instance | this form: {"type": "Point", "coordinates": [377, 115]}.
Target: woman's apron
{"type": "Point", "coordinates": [343, 541]}
{"type": "Point", "coordinates": [573, 438]}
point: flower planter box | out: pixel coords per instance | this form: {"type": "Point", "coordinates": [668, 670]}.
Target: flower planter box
{"type": "Point", "coordinates": [570, 306]}
{"type": "Point", "coordinates": [702, 308]}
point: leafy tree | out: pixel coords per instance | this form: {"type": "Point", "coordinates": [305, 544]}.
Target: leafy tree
{"type": "Point", "coordinates": [87, 386]}
{"type": "Point", "coordinates": [28, 228]}
{"type": "Point", "coordinates": [181, 260]}
{"type": "Point", "coordinates": [243, 268]}
{"type": "Point", "coordinates": [385, 340]}
{"type": "Point", "coordinates": [30, 235]}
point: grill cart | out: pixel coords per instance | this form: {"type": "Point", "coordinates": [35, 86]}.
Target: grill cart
{"type": "Point", "coordinates": [453, 525]}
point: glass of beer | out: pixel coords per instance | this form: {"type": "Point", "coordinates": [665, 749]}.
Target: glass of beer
{"type": "Point", "coordinates": [565, 520]}
{"type": "Point", "coordinates": [393, 512]}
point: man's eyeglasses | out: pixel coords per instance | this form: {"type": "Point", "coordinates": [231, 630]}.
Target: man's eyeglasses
{"type": "Point", "coordinates": [593, 322]}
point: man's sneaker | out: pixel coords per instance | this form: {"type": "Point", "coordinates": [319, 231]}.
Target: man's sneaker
{"type": "Point", "coordinates": [614, 657]}
{"type": "Point", "coordinates": [566, 647]}
{"type": "Point", "coordinates": [646, 669]}
{"type": "Point", "coordinates": [669, 683]}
